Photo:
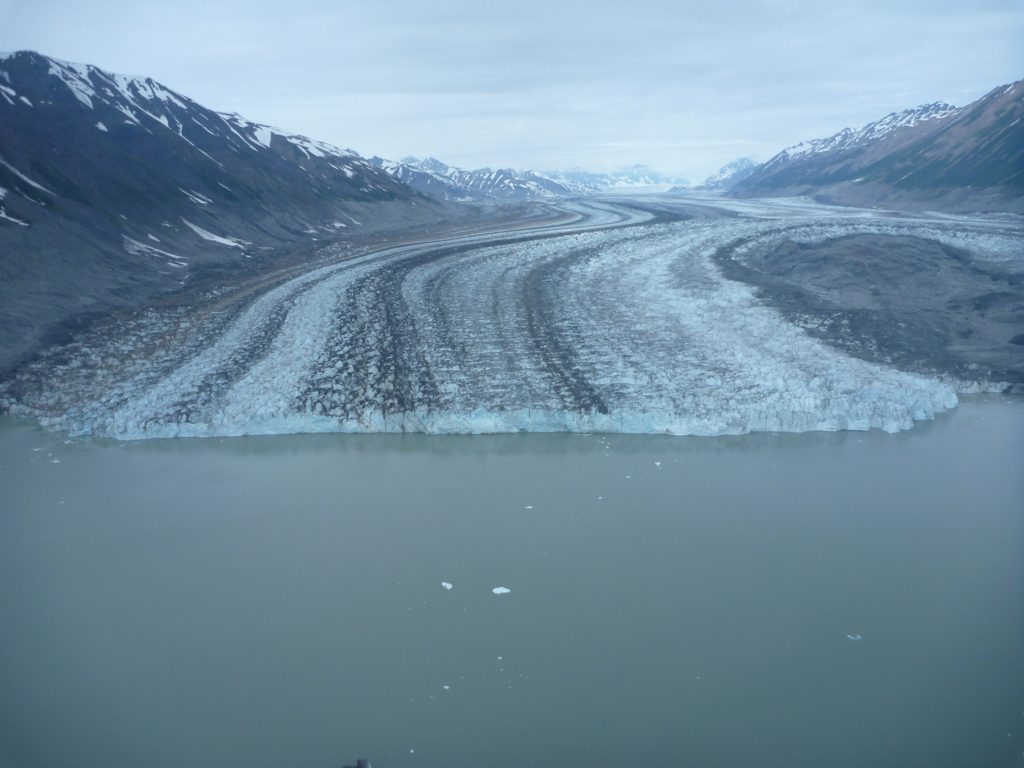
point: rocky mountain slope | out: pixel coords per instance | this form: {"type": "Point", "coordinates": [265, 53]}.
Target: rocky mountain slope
{"type": "Point", "coordinates": [933, 156]}
{"type": "Point", "coordinates": [729, 175]}
{"type": "Point", "coordinates": [114, 188]}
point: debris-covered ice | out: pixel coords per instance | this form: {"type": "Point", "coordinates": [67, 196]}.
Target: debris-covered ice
{"type": "Point", "coordinates": [598, 330]}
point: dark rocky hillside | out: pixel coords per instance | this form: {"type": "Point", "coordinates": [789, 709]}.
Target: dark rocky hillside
{"type": "Point", "coordinates": [116, 188]}
{"type": "Point", "coordinates": [936, 156]}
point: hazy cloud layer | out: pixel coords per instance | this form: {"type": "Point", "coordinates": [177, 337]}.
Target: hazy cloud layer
{"type": "Point", "coordinates": [681, 86]}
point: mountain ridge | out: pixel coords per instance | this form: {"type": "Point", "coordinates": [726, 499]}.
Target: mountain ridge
{"type": "Point", "coordinates": [116, 189]}
{"type": "Point", "coordinates": [432, 177]}
{"type": "Point", "coordinates": [965, 159]}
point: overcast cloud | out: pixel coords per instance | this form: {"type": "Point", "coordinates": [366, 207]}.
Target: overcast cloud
{"type": "Point", "coordinates": [681, 86]}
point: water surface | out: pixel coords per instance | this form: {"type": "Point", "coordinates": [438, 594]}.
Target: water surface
{"type": "Point", "coordinates": [821, 599]}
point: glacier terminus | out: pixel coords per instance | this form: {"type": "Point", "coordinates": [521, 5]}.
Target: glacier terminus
{"type": "Point", "coordinates": [612, 314]}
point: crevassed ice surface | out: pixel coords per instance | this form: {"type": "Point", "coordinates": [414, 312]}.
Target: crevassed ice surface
{"type": "Point", "coordinates": [595, 327]}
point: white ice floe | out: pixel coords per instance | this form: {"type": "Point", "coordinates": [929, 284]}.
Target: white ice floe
{"type": "Point", "coordinates": [501, 591]}
{"type": "Point", "coordinates": [447, 585]}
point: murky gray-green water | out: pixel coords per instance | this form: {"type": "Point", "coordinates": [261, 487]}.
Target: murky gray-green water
{"type": "Point", "coordinates": [278, 601]}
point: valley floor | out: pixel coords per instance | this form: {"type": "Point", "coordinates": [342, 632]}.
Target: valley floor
{"type": "Point", "coordinates": [622, 315]}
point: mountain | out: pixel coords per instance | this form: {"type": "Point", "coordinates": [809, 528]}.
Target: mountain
{"type": "Point", "coordinates": [432, 177]}
{"type": "Point", "coordinates": [637, 175]}
{"type": "Point", "coordinates": [115, 188]}
{"type": "Point", "coordinates": [729, 175]}
{"type": "Point", "coordinates": [933, 156]}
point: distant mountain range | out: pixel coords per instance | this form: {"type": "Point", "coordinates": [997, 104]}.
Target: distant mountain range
{"type": "Point", "coordinates": [434, 178]}
{"type": "Point", "coordinates": [437, 179]}
{"type": "Point", "coordinates": [633, 176]}
{"type": "Point", "coordinates": [934, 156]}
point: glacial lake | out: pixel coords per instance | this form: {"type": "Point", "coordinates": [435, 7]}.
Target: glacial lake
{"type": "Point", "coordinates": [821, 599]}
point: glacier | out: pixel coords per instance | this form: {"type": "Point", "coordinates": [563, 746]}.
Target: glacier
{"type": "Point", "coordinates": [616, 319]}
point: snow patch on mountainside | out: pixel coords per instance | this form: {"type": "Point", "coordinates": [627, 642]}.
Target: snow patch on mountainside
{"type": "Point", "coordinates": [136, 248]}
{"type": "Point", "coordinates": [232, 242]}
{"type": "Point", "coordinates": [23, 177]}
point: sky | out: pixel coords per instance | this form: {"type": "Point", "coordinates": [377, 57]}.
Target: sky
{"type": "Point", "coordinates": [682, 86]}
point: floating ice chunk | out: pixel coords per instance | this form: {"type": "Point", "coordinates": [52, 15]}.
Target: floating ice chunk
{"type": "Point", "coordinates": [657, 463]}
{"type": "Point", "coordinates": [447, 585]}
{"type": "Point", "coordinates": [501, 591]}
{"type": "Point", "coordinates": [529, 506]}
{"type": "Point", "coordinates": [446, 687]}
{"type": "Point", "coordinates": [854, 637]}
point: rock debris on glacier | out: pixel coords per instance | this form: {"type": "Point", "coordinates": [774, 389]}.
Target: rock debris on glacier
{"type": "Point", "coordinates": [591, 328]}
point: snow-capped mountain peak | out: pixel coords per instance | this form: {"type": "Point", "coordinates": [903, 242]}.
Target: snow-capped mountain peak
{"type": "Point", "coordinates": [730, 174]}
{"type": "Point", "coordinates": [438, 179]}
{"type": "Point", "coordinates": [934, 155]}
{"type": "Point", "coordinates": [849, 138]}
{"type": "Point", "coordinates": [143, 103]}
